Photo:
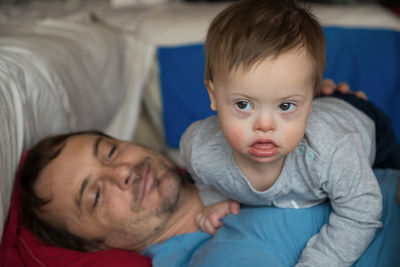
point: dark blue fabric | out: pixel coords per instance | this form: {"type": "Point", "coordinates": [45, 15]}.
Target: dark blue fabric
{"type": "Point", "coordinates": [368, 59]}
{"type": "Point", "coordinates": [184, 96]}
{"type": "Point", "coordinates": [387, 147]}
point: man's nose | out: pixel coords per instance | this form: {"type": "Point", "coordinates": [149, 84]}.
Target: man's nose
{"type": "Point", "coordinates": [264, 122]}
{"type": "Point", "coordinates": [121, 175]}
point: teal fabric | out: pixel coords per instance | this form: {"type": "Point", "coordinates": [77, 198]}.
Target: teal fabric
{"type": "Point", "coordinates": [268, 236]}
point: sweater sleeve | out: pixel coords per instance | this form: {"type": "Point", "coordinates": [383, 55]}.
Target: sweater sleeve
{"type": "Point", "coordinates": [356, 200]}
{"type": "Point", "coordinates": [187, 145]}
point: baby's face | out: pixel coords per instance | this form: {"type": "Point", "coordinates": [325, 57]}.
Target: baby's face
{"type": "Point", "coordinates": [263, 110]}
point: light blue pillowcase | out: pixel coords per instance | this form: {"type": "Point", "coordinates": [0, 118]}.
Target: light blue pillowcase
{"type": "Point", "coordinates": [268, 236]}
{"type": "Point", "coordinates": [279, 235]}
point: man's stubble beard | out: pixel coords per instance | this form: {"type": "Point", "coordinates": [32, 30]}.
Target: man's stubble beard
{"type": "Point", "coordinates": [170, 193]}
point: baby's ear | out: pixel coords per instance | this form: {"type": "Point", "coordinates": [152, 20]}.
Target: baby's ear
{"type": "Point", "coordinates": [210, 88]}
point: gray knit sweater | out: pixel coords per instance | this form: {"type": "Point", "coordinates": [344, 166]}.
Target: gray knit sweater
{"type": "Point", "coordinates": [331, 162]}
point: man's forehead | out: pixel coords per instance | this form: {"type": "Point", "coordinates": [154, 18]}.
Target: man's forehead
{"type": "Point", "coordinates": [85, 145]}
{"type": "Point", "coordinates": [60, 178]}
{"type": "Point", "coordinates": [83, 140]}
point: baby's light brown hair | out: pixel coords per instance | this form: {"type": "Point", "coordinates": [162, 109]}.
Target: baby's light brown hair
{"type": "Point", "coordinates": [249, 31]}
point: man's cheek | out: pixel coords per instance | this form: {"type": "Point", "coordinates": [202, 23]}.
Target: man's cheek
{"type": "Point", "coordinates": [119, 205]}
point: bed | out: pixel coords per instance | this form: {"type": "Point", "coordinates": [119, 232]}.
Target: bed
{"type": "Point", "coordinates": [122, 67]}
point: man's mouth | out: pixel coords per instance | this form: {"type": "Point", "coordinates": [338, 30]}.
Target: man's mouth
{"type": "Point", "coordinates": [263, 149]}
{"type": "Point", "coordinates": [142, 183]}
{"type": "Point", "coordinates": [147, 181]}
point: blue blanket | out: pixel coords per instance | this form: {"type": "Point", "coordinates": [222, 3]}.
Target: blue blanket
{"type": "Point", "coordinates": [368, 59]}
{"type": "Point", "coordinates": [268, 236]}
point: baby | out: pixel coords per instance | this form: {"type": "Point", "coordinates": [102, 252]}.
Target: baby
{"type": "Point", "coordinates": [271, 142]}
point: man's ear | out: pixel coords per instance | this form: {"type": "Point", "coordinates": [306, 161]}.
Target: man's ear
{"type": "Point", "coordinates": [210, 88]}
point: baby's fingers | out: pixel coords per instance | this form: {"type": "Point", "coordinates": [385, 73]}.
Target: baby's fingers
{"type": "Point", "coordinates": [205, 224]}
{"type": "Point", "coordinates": [215, 220]}
{"type": "Point", "coordinates": [234, 207]}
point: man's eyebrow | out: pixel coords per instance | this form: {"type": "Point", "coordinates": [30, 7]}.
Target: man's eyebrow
{"type": "Point", "coordinates": [81, 190]}
{"type": "Point", "coordinates": [96, 146]}
{"type": "Point", "coordinates": [86, 180]}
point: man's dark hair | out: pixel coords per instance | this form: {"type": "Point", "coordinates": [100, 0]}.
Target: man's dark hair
{"type": "Point", "coordinates": [37, 159]}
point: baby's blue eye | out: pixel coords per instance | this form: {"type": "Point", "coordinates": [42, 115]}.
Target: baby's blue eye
{"type": "Point", "coordinates": [286, 107]}
{"type": "Point", "coordinates": [244, 105]}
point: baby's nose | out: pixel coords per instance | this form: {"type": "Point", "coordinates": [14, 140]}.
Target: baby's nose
{"type": "Point", "coordinates": [265, 122]}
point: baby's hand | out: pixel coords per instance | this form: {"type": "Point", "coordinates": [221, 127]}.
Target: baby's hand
{"type": "Point", "coordinates": [209, 220]}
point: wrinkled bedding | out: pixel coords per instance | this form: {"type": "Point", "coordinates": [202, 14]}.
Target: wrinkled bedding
{"type": "Point", "coordinates": [59, 76]}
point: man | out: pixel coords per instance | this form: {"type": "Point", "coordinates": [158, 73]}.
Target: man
{"type": "Point", "coordinates": [106, 193]}
{"type": "Point", "coordinates": [88, 191]}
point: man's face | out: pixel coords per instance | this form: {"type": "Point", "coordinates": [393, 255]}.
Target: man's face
{"type": "Point", "coordinates": [105, 189]}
